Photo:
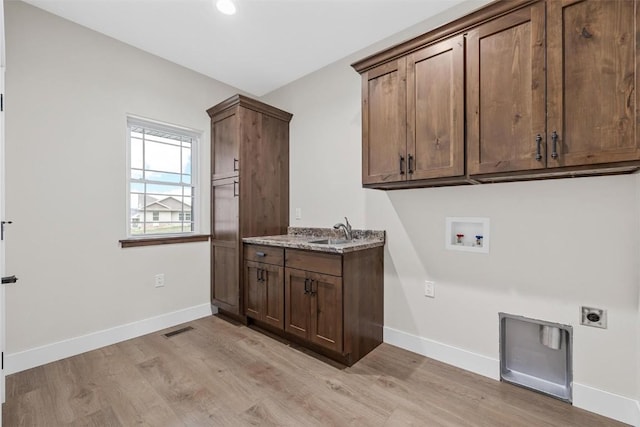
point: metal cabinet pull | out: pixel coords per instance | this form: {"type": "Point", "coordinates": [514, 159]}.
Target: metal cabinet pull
{"type": "Point", "coordinates": [312, 291]}
{"type": "Point", "coordinates": [538, 144]}
{"type": "Point", "coordinates": [2, 224]}
{"type": "Point", "coordinates": [306, 286]}
{"type": "Point", "coordinates": [236, 164]}
{"type": "Point", "coordinates": [261, 254]}
{"type": "Point", "coordinates": [401, 165]}
{"type": "Point", "coordinates": [410, 164]}
{"type": "Point", "coordinates": [235, 189]}
{"type": "Point", "coordinates": [262, 275]}
{"type": "Point", "coordinates": [9, 279]}
{"type": "Point", "coordinates": [554, 149]}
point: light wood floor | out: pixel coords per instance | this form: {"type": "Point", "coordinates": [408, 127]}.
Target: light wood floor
{"type": "Point", "coordinates": [223, 374]}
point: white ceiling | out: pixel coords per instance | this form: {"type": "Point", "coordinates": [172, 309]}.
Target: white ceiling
{"type": "Point", "coordinates": [266, 45]}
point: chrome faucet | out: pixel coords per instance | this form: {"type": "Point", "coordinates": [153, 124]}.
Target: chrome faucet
{"type": "Point", "coordinates": [347, 228]}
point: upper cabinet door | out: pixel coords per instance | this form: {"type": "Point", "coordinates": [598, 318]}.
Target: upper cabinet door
{"type": "Point", "coordinates": [225, 149]}
{"type": "Point", "coordinates": [435, 110]}
{"type": "Point", "coordinates": [384, 129]}
{"type": "Point", "coordinates": [592, 80]}
{"type": "Point", "coordinates": [506, 93]}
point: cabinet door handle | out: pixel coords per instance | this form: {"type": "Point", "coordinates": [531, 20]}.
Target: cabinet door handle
{"type": "Point", "coordinates": [257, 274]}
{"type": "Point", "coordinates": [235, 189]}
{"type": "Point", "coordinates": [312, 291]}
{"type": "Point", "coordinates": [554, 149]}
{"type": "Point", "coordinates": [410, 164]}
{"type": "Point", "coordinates": [401, 165]}
{"type": "Point", "coordinates": [236, 163]}
{"type": "Point", "coordinates": [261, 254]}
{"type": "Point", "coordinates": [306, 286]}
{"type": "Point", "coordinates": [538, 143]}
{"type": "Point", "coordinates": [262, 275]}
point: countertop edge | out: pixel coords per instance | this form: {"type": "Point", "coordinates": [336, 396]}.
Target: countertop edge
{"type": "Point", "coordinates": [299, 242]}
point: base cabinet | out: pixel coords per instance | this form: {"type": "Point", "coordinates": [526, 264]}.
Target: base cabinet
{"type": "Point", "coordinates": [331, 303]}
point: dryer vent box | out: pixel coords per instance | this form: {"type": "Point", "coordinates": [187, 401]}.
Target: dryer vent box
{"type": "Point", "coordinates": [536, 354]}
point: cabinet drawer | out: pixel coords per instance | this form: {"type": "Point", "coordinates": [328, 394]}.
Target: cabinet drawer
{"type": "Point", "coordinates": [266, 254]}
{"type": "Point", "coordinates": [318, 262]}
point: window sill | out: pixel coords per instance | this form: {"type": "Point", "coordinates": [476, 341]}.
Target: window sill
{"type": "Point", "coordinates": [153, 241]}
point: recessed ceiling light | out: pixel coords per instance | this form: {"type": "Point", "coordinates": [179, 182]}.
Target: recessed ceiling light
{"type": "Point", "coordinates": [226, 6]}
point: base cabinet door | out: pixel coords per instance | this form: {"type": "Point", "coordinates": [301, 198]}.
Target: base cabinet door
{"type": "Point", "coordinates": [273, 294]}
{"type": "Point", "coordinates": [297, 303]}
{"type": "Point", "coordinates": [253, 290]}
{"type": "Point", "coordinates": [326, 311]}
{"type": "Point", "coordinates": [313, 304]}
{"type": "Point", "coordinates": [264, 293]}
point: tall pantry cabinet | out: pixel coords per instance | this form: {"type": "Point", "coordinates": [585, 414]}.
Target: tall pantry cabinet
{"type": "Point", "coordinates": [249, 191]}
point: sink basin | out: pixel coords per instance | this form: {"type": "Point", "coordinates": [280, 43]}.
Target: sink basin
{"type": "Point", "coordinates": [330, 241]}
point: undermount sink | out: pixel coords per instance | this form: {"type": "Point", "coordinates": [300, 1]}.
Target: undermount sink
{"type": "Point", "coordinates": [330, 241]}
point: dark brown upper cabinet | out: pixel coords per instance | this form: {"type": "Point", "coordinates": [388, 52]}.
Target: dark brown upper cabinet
{"type": "Point", "coordinates": [435, 105]}
{"type": "Point", "coordinates": [592, 76]}
{"type": "Point", "coordinates": [384, 130]}
{"type": "Point", "coordinates": [413, 117]}
{"type": "Point", "coordinates": [588, 115]}
{"type": "Point", "coordinates": [550, 91]}
{"type": "Point", "coordinates": [506, 93]}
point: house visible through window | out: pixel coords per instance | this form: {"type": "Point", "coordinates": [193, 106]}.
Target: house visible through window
{"type": "Point", "coordinates": [161, 178]}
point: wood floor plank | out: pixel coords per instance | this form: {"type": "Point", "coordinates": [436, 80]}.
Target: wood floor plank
{"type": "Point", "coordinates": [102, 418]}
{"type": "Point", "coordinates": [226, 374]}
{"type": "Point", "coordinates": [27, 381]}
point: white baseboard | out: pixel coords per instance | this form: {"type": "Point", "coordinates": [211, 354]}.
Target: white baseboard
{"type": "Point", "coordinates": [27, 359]}
{"type": "Point", "coordinates": [469, 361]}
{"type": "Point", "coordinates": [608, 404]}
{"type": "Point", "coordinates": [601, 402]}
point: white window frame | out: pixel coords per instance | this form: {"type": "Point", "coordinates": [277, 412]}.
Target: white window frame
{"type": "Point", "coordinates": [195, 168]}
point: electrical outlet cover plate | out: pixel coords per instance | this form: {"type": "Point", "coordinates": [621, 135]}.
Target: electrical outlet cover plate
{"type": "Point", "coordinates": [429, 289]}
{"type": "Point", "coordinates": [159, 280]}
{"type": "Point", "coordinates": [596, 317]}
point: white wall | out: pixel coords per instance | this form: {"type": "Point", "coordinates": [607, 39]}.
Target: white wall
{"type": "Point", "coordinates": [68, 91]}
{"type": "Point", "coordinates": [555, 244]}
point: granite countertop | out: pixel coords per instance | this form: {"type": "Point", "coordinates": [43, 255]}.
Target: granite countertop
{"type": "Point", "coordinates": [301, 238]}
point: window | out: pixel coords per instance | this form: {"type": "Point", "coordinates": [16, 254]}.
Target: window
{"type": "Point", "coordinates": [161, 179]}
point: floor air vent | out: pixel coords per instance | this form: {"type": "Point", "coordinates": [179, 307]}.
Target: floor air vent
{"type": "Point", "coordinates": [177, 331]}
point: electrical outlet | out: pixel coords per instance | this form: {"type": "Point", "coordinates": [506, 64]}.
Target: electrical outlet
{"type": "Point", "coordinates": [429, 289]}
{"type": "Point", "coordinates": [596, 317]}
{"type": "Point", "coordinates": [159, 280]}
{"type": "Point", "coordinates": [298, 213]}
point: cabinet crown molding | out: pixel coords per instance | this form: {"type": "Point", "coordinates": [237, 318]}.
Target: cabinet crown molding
{"type": "Point", "coordinates": [460, 25]}
{"type": "Point", "coordinates": [252, 104]}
